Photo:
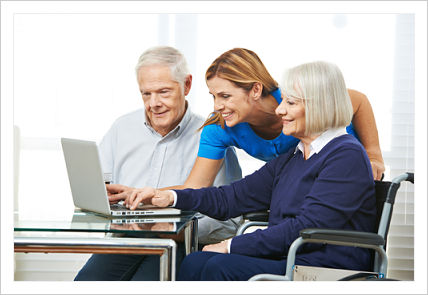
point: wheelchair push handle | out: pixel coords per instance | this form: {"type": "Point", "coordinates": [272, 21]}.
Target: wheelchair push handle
{"type": "Point", "coordinates": [395, 184]}
{"type": "Point", "coordinates": [410, 177]}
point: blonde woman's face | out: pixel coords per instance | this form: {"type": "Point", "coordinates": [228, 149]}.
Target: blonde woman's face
{"type": "Point", "coordinates": [292, 112]}
{"type": "Point", "coordinates": [231, 101]}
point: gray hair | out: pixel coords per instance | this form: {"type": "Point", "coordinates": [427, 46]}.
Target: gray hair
{"type": "Point", "coordinates": [322, 87]}
{"type": "Point", "coordinates": [168, 56]}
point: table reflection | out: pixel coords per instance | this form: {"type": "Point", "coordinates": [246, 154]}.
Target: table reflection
{"type": "Point", "coordinates": [158, 226]}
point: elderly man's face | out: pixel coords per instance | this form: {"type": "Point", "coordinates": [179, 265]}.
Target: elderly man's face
{"type": "Point", "coordinates": [164, 100]}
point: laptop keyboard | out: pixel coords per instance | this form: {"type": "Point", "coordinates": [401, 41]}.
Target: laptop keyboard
{"type": "Point", "coordinates": [118, 207]}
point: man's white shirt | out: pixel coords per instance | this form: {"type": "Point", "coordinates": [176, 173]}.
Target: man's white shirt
{"type": "Point", "coordinates": [138, 156]}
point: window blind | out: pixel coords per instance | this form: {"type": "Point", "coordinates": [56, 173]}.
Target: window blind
{"type": "Point", "coordinates": [400, 157]}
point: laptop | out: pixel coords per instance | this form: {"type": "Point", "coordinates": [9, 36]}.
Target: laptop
{"type": "Point", "coordinates": [87, 182]}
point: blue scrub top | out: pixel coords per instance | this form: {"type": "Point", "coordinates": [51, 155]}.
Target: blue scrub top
{"type": "Point", "coordinates": [214, 140]}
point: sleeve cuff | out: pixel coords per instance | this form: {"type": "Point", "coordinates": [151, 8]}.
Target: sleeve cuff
{"type": "Point", "coordinates": [229, 243]}
{"type": "Point", "coordinates": [175, 197]}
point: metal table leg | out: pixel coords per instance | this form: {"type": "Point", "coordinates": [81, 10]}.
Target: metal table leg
{"type": "Point", "coordinates": [166, 248]}
{"type": "Point", "coordinates": [191, 236]}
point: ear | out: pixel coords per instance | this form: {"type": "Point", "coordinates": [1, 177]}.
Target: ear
{"type": "Point", "coordinates": [256, 91]}
{"type": "Point", "coordinates": [187, 84]}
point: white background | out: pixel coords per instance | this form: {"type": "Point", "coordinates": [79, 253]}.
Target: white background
{"type": "Point", "coordinates": [68, 69]}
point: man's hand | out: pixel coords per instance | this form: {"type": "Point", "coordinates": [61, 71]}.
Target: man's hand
{"type": "Point", "coordinates": [118, 192]}
{"type": "Point", "coordinates": [149, 195]}
{"type": "Point", "coordinates": [219, 247]}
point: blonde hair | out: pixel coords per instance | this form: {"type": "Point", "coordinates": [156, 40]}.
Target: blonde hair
{"type": "Point", "coordinates": [322, 87]}
{"type": "Point", "coordinates": [243, 68]}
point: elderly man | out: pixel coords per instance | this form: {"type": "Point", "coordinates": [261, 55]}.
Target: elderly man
{"type": "Point", "coordinates": [139, 144]}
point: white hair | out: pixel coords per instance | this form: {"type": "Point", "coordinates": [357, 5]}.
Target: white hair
{"type": "Point", "coordinates": [323, 90]}
{"type": "Point", "coordinates": [168, 56]}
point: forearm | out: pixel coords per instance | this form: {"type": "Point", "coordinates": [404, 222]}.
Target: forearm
{"type": "Point", "coordinates": [246, 195]}
{"type": "Point", "coordinates": [175, 187]}
{"type": "Point", "coordinates": [203, 174]}
{"type": "Point", "coordinates": [272, 242]}
{"type": "Point", "coordinates": [210, 201]}
{"type": "Point", "coordinates": [365, 125]}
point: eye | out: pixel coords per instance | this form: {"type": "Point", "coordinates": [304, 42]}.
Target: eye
{"type": "Point", "coordinates": [165, 92]}
{"type": "Point", "coordinates": [225, 96]}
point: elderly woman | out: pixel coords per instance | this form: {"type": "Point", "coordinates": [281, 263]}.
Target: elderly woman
{"type": "Point", "coordinates": [326, 181]}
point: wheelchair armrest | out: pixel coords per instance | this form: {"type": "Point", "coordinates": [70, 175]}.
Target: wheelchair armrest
{"type": "Point", "coordinates": [257, 216]}
{"type": "Point", "coordinates": [347, 236]}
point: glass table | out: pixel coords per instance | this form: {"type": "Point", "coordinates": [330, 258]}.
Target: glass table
{"type": "Point", "coordinates": [87, 232]}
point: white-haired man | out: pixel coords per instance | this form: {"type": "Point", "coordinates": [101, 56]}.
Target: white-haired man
{"type": "Point", "coordinates": [138, 145]}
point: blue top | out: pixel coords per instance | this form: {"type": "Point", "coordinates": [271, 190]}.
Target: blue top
{"type": "Point", "coordinates": [214, 140]}
{"type": "Point", "coordinates": [332, 189]}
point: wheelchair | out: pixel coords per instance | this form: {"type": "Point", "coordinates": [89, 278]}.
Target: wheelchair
{"type": "Point", "coordinates": [385, 198]}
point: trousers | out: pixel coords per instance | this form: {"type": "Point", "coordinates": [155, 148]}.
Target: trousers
{"type": "Point", "coordinates": [125, 267]}
{"type": "Point", "coordinates": [212, 266]}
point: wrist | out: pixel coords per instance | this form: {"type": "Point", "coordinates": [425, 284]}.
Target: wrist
{"type": "Point", "coordinates": [172, 197]}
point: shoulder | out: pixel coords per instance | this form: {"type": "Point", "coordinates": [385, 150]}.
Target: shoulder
{"type": "Point", "coordinates": [347, 148]}
{"type": "Point", "coordinates": [195, 120]}
{"type": "Point", "coordinates": [357, 97]}
{"type": "Point", "coordinates": [346, 141]}
{"type": "Point", "coordinates": [130, 117]}
{"type": "Point", "coordinates": [346, 155]}
{"type": "Point", "coordinates": [124, 122]}
{"type": "Point", "coordinates": [215, 131]}
{"type": "Point", "coordinates": [355, 93]}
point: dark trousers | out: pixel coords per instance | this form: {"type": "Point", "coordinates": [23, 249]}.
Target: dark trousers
{"type": "Point", "coordinates": [211, 266]}
{"type": "Point", "coordinates": [123, 267]}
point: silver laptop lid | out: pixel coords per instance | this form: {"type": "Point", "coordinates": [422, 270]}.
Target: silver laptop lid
{"type": "Point", "coordinates": [87, 181]}
{"type": "Point", "coordinates": [85, 175]}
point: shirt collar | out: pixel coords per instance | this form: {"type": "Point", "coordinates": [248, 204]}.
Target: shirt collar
{"type": "Point", "coordinates": [178, 129]}
{"type": "Point", "coordinates": [321, 141]}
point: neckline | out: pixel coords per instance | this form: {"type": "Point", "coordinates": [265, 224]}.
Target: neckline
{"type": "Point", "coordinates": [248, 126]}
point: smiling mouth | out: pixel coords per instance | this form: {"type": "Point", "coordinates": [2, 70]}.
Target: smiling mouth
{"type": "Point", "coordinates": [159, 114]}
{"type": "Point", "coordinates": [226, 115]}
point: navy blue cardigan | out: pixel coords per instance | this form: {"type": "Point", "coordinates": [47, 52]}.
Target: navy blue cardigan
{"type": "Point", "coordinates": [331, 189]}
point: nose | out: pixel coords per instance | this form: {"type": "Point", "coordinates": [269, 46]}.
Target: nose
{"type": "Point", "coordinates": [218, 105]}
{"type": "Point", "coordinates": [281, 110]}
{"type": "Point", "coordinates": [154, 100]}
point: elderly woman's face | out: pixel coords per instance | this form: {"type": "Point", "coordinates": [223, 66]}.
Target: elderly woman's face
{"type": "Point", "coordinates": [292, 112]}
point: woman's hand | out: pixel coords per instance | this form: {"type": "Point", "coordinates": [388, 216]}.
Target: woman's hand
{"type": "Point", "coordinates": [378, 168]}
{"type": "Point", "coordinates": [149, 195]}
{"type": "Point", "coordinates": [219, 247]}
